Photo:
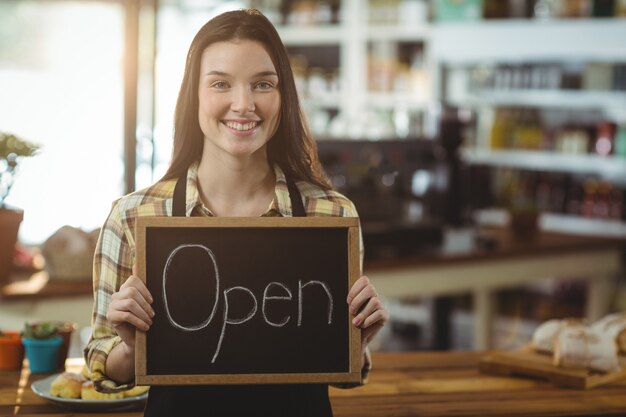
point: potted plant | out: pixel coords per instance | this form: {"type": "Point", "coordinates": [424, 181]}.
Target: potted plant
{"type": "Point", "coordinates": [65, 330]}
{"type": "Point", "coordinates": [42, 342]}
{"type": "Point", "coordinates": [11, 350]}
{"type": "Point", "coordinates": [523, 211]}
{"type": "Point", "coordinates": [12, 149]}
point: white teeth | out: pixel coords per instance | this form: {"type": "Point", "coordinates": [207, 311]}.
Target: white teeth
{"type": "Point", "coordinates": [241, 126]}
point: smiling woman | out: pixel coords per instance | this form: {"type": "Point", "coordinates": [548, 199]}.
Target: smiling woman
{"type": "Point", "coordinates": [64, 92]}
{"type": "Point", "coordinates": [242, 148]}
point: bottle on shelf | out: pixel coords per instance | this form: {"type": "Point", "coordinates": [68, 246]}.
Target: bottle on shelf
{"type": "Point", "coordinates": [575, 9]}
{"type": "Point", "coordinates": [499, 128]}
{"type": "Point", "coordinates": [309, 13]}
{"type": "Point", "coordinates": [546, 9]}
{"type": "Point", "coordinates": [620, 142]}
{"type": "Point", "coordinates": [558, 193]}
{"type": "Point", "coordinates": [383, 12]}
{"type": "Point", "coordinates": [382, 63]}
{"type": "Point", "coordinates": [604, 140]}
{"type": "Point", "coordinates": [603, 8]}
{"type": "Point", "coordinates": [598, 76]}
{"type": "Point", "coordinates": [496, 9]}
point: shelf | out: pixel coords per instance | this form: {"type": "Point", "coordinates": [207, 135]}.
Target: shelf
{"type": "Point", "coordinates": [311, 36]}
{"type": "Point", "coordinates": [573, 99]}
{"type": "Point", "coordinates": [559, 223]}
{"type": "Point", "coordinates": [398, 33]}
{"type": "Point", "coordinates": [611, 168]}
{"type": "Point", "coordinates": [520, 40]}
{"type": "Point", "coordinates": [38, 285]}
{"type": "Point", "coordinates": [392, 100]}
{"type": "Point", "coordinates": [323, 100]}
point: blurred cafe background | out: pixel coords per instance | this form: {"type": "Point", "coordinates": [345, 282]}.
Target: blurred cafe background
{"type": "Point", "coordinates": [482, 141]}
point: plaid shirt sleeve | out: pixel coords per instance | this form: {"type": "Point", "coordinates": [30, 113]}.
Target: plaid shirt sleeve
{"type": "Point", "coordinates": [112, 265]}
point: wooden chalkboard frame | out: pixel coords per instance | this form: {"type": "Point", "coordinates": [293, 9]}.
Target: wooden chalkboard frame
{"type": "Point", "coordinates": [351, 224]}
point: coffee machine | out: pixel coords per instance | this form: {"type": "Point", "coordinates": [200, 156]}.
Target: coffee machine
{"type": "Point", "coordinates": [399, 188]}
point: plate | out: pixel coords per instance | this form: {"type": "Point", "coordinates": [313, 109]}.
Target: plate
{"type": "Point", "coordinates": [42, 388]}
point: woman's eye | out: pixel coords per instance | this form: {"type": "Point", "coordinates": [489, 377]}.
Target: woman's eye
{"type": "Point", "coordinates": [264, 85]}
{"type": "Point", "coordinates": [219, 84]}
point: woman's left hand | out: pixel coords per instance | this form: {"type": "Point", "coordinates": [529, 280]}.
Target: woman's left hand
{"type": "Point", "coordinates": [368, 310]}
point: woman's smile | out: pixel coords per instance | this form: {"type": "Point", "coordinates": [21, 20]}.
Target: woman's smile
{"type": "Point", "coordinates": [242, 127]}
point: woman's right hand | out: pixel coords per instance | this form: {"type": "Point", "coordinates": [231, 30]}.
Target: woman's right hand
{"type": "Point", "coordinates": [130, 308]}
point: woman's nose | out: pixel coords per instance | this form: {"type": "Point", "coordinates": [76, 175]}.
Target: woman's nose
{"type": "Point", "coordinates": [243, 100]}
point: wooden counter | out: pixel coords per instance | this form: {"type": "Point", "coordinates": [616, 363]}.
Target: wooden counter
{"type": "Point", "coordinates": [402, 385]}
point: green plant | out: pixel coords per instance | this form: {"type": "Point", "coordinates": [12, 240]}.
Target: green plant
{"type": "Point", "coordinates": [43, 330]}
{"type": "Point", "coordinates": [513, 192]}
{"type": "Point", "coordinates": [12, 149]}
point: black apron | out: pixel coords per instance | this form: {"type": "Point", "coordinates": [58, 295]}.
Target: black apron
{"type": "Point", "coordinates": [273, 400]}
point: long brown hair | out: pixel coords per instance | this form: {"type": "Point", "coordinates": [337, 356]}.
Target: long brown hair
{"type": "Point", "coordinates": [292, 147]}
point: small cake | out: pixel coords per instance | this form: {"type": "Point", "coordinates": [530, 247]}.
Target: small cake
{"type": "Point", "coordinates": [88, 392]}
{"type": "Point", "coordinates": [135, 391]}
{"type": "Point", "coordinates": [581, 347]}
{"type": "Point", "coordinates": [67, 385]}
{"type": "Point", "coordinates": [615, 326]}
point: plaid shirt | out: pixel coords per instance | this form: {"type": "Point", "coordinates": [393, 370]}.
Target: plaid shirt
{"type": "Point", "coordinates": [115, 251]}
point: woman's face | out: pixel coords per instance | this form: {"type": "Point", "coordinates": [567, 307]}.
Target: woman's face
{"type": "Point", "coordinates": [239, 101]}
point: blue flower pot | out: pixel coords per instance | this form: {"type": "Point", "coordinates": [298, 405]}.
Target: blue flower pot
{"type": "Point", "coordinates": [42, 354]}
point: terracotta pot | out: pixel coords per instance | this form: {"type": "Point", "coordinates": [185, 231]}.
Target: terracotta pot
{"type": "Point", "coordinates": [11, 351]}
{"type": "Point", "coordinates": [9, 226]}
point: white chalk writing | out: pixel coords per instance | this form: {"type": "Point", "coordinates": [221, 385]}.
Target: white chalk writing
{"type": "Point", "coordinates": [228, 320]}
{"type": "Point", "coordinates": [217, 288]}
{"type": "Point", "coordinates": [275, 297]}
{"type": "Point", "coordinates": [330, 300]}
{"type": "Point", "coordinates": [236, 321]}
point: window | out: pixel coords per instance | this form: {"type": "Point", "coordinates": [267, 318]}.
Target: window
{"type": "Point", "coordinates": [62, 86]}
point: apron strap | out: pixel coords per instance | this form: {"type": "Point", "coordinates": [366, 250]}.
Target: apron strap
{"type": "Point", "coordinates": [180, 197]}
{"type": "Point", "coordinates": [297, 208]}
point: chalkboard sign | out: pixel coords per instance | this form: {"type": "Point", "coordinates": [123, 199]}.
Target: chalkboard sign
{"type": "Point", "coordinates": [248, 300]}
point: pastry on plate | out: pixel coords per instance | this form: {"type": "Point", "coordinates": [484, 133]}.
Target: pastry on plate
{"type": "Point", "coordinates": [67, 385]}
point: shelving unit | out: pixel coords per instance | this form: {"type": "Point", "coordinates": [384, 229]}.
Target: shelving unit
{"type": "Point", "coordinates": [489, 44]}
{"type": "Point", "coordinates": [530, 41]}
{"type": "Point", "coordinates": [463, 45]}
{"type": "Point", "coordinates": [513, 40]}
{"type": "Point", "coordinates": [353, 36]}
{"type": "Point", "coordinates": [610, 168]}
{"type": "Point", "coordinates": [568, 99]}
{"type": "Point", "coordinates": [313, 35]}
